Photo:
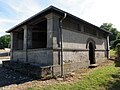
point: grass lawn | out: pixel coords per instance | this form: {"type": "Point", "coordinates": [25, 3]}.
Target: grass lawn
{"type": "Point", "coordinates": [101, 78]}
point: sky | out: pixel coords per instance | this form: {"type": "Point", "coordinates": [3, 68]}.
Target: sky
{"type": "Point", "coordinates": [97, 12]}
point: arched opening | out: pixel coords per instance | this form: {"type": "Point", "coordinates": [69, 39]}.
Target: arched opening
{"type": "Point", "coordinates": [91, 53]}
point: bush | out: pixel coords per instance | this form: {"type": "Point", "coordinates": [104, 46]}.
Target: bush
{"type": "Point", "coordinates": [115, 43]}
{"type": "Point", "coordinates": [118, 50]}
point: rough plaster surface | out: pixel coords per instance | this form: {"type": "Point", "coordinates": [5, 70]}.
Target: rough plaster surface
{"type": "Point", "coordinates": [19, 56]}
{"type": "Point", "coordinates": [77, 40]}
{"type": "Point", "coordinates": [40, 57]}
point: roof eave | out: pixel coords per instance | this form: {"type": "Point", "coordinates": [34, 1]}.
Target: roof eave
{"type": "Point", "coordinates": [27, 20]}
{"type": "Point", "coordinates": [55, 9]}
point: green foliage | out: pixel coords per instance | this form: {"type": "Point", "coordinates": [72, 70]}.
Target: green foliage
{"type": "Point", "coordinates": [109, 27]}
{"type": "Point", "coordinates": [118, 35]}
{"type": "Point", "coordinates": [5, 41]}
{"type": "Point", "coordinates": [104, 78]}
{"type": "Point", "coordinates": [1, 46]}
{"type": "Point", "coordinates": [115, 43]}
{"type": "Point", "coordinates": [118, 50]}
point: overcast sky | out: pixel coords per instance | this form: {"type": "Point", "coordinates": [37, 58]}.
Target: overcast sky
{"type": "Point", "coordinates": [96, 12]}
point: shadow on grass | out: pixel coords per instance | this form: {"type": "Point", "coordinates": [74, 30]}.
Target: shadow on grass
{"type": "Point", "coordinates": [114, 84]}
{"type": "Point", "coordinates": [117, 63]}
{"type": "Point", "coordinates": [8, 77]}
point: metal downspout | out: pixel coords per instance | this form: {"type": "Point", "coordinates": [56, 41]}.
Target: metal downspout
{"type": "Point", "coordinates": [61, 37]}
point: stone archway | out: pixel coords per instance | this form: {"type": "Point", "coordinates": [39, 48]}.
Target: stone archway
{"type": "Point", "coordinates": [90, 45]}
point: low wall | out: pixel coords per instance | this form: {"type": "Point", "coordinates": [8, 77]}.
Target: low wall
{"type": "Point", "coordinates": [28, 69]}
{"type": "Point", "coordinates": [19, 55]}
{"type": "Point", "coordinates": [41, 71]}
{"type": "Point", "coordinates": [43, 57]}
{"type": "Point", "coordinates": [38, 56]}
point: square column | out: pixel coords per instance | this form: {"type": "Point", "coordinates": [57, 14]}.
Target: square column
{"type": "Point", "coordinates": [25, 38]}
{"type": "Point", "coordinates": [27, 44]}
{"type": "Point", "coordinates": [14, 41]}
{"type": "Point", "coordinates": [108, 48]}
{"type": "Point", "coordinates": [29, 37]}
{"type": "Point", "coordinates": [52, 30]}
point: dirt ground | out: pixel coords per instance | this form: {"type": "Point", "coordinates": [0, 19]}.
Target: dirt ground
{"type": "Point", "coordinates": [11, 80]}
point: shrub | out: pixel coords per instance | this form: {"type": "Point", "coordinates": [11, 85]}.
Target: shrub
{"type": "Point", "coordinates": [118, 50]}
{"type": "Point", "coordinates": [115, 43]}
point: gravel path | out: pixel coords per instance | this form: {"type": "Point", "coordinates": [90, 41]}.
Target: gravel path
{"type": "Point", "coordinates": [9, 77]}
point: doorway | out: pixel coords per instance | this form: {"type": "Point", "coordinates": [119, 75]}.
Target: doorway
{"type": "Point", "coordinates": [91, 53]}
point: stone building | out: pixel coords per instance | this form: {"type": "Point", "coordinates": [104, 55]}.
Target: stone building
{"type": "Point", "coordinates": [37, 42]}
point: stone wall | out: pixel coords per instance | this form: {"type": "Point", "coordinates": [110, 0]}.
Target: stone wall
{"type": "Point", "coordinates": [99, 56]}
{"type": "Point", "coordinates": [77, 40]}
{"type": "Point", "coordinates": [42, 57]}
{"type": "Point", "coordinates": [19, 55]}
{"type": "Point", "coordinates": [71, 56]}
{"type": "Point", "coordinates": [76, 54]}
{"type": "Point", "coordinates": [42, 71]}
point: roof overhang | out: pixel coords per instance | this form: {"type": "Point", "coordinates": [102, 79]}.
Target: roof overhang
{"type": "Point", "coordinates": [53, 9]}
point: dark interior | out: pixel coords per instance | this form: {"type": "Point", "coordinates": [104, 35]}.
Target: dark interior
{"type": "Point", "coordinates": [91, 53]}
{"type": "Point", "coordinates": [39, 35]}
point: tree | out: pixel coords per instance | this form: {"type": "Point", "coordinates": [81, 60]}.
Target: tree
{"type": "Point", "coordinates": [5, 41]}
{"type": "Point", "coordinates": [109, 27]}
{"type": "Point", "coordinates": [118, 51]}
{"type": "Point", "coordinates": [115, 43]}
{"type": "Point", "coordinates": [1, 45]}
{"type": "Point", "coordinates": [118, 35]}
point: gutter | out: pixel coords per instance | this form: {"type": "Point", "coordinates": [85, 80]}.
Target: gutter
{"type": "Point", "coordinates": [61, 37]}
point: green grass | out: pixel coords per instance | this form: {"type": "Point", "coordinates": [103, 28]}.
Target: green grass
{"type": "Point", "coordinates": [103, 78]}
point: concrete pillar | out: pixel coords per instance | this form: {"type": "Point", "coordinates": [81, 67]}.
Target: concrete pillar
{"type": "Point", "coordinates": [53, 35]}
{"type": "Point", "coordinates": [29, 37]}
{"type": "Point", "coordinates": [25, 38]}
{"type": "Point", "coordinates": [11, 34]}
{"type": "Point", "coordinates": [27, 44]}
{"type": "Point", "coordinates": [108, 42]}
{"type": "Point", "coordinates": [14, 41]}
{"type": "Point", "coordinates": [52, 30]}
{"type": "Point", "coordinates": [108, 48]}
{"type": "Point", "coordinates": [56, 30]}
